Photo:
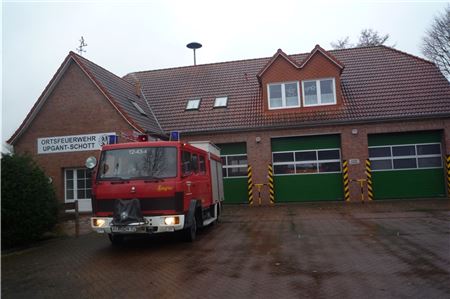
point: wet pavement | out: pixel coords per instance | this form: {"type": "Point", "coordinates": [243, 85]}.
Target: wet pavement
{"type": "Point", "coordinates": [329, 250]}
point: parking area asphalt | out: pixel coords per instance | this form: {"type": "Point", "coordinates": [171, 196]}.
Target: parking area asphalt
{"type": "Point", "coordinates": [326, 250]}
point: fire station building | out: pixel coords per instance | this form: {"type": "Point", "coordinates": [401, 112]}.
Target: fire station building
{"type": "Point", "coordinates": [325, 122]}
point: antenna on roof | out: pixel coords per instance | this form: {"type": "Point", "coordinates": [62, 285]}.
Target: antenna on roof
{"type": "Point", "coordinates": [80, 49]}
{"type": "Point", "coordinates": [194, 46]}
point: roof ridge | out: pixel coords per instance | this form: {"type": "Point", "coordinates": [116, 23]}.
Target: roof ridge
{"type": "Point", "coordinates": [121, 78]}
{"type": "Point", "coordinates": [408, 54]}
{"type": "Point", "coordinates": [199, 65]}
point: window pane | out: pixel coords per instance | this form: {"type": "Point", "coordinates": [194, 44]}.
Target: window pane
{"type": "Point", "coordinates": [237, 171]}
{"type": "Point", "coordinates": [291, 94]}
{"type": "Point", "coordinates": [224, 172]}
{"type": "Point", "coordinates": [237, 160]}
{"type": "Point", "coordinates": [81, 173]}
{"type": "Point", "coordinates": [306, 168]}
{"type": "Point", "coordinates": [224, 160]}
{"type": "Point", "coordinates": [202, 164]}
{"type": "Point", "coordinates": [379, 152]}
{"type": "Point", "coordinates": [405, 163]}
{"type": "Point", "coordinates": [193, 104]}
{"type": "Point", "coordinates": [69, 174]}
{"type": "Point", "coordinates": [88, 183]}
{"type": "Point", "coordinates": [283, 157]}
{"type": "Point", "coordinates": [69, 194]}
{"type": "Point", "coordinates": [404, 150]}
{"type": "Point", "coordinates": [329, 155]}
{"type": "Point", "coordinates": [88, 193]}
{"type": "Point", "coordinates": [430, 162]}
{"type": "Point", "coordinates": [330, 167]}
{"type": "Point", "coordinates": [310, 92]}
{"type": "Point", "coordinates": [381, 164]}
{"type": "Point", "coordinates": [81, 194]}
{"type": "Point", "coordinates": [429, 149]}
{"type": "Point", "coordinates": [306, 156]}
{"type": "Point", "coordinates": [275, 96]}
{"type": "Point", "coordinates": [69, 184]}
{"type": "Point", "coordinates": [326, 91]}
{"type": "Point", "coordinates": [283, 169]}
{"type": "Point", "coordinates": [221, 102]}
{"type": "Point", "coordinates": [81, 184]}
{"type": "Point", "coordinates": [186, 162]}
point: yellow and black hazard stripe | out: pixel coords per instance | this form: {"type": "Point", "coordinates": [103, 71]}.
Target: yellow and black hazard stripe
{"type": "Point", "coordinates": [448, 176]}
{"type": "Point", "coordinates": [346, 180]}
{"type": "Point", "coordinates": [249, 185]}
{"type": "Point", "coordinates": [271, 186]}
{"type": "Point", "coordinates": [369, 180]}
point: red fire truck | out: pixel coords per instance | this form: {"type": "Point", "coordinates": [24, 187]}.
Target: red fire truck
{"type": "Point", "coordinates": [155, 187]}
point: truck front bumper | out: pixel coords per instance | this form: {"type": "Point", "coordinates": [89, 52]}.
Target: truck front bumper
{"type": "Point", "coordinates": [150, 225]}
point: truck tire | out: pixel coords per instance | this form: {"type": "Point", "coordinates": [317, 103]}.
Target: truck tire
{"type": "Point", "coordinates": [190, 233]}
{"type": "Point", "coordinates": [116, 239]}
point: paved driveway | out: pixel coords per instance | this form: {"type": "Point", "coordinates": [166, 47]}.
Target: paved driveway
{"type": "Point", "coordinates": [331, 250]}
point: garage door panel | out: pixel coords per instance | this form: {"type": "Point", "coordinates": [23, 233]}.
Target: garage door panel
{"type": "Point", "coordinates": [407, 165]}
{"type": "Point", "coordinates": [319, 187]}
{"type": "Point", "coordinates": [408, 184]}
{"type": "Point", "coordinates": [235, 190]}
{"type": "Point", "coordinates": [307, 168]}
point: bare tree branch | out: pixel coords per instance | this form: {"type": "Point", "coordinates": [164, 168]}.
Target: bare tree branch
{"type": "Point", "coordinates": [436, 43]}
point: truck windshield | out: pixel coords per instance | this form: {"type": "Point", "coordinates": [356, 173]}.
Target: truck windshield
{"type": "Point", "coordinates": [146, 162]}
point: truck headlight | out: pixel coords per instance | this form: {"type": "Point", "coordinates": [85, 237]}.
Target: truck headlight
{"type": "Point", "coordinates": [99, 222]}
{"type": "Point", "coordinates": [172, 220]}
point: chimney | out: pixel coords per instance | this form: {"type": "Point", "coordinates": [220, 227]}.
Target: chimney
{"type": "Point", "coordinates": [138, 89]}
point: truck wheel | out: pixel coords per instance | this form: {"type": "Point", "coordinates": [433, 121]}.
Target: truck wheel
{"type": "Point", "coordinates": [116, 239]}
{"type": "Point", "coordinates": [191, 232]}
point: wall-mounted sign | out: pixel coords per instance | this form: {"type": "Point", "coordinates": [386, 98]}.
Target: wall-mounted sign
{"type": "Point", "coordinates": [353, 161]}
{"type": "Point", "coordinates": [74, 143]}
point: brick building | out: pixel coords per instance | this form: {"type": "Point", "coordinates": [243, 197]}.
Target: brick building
{"type": "Point", "coordinates": [309, 115]}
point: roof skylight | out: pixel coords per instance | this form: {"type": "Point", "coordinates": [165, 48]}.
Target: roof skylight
{"type": "Point", "coordinates": [138, 108]}
{"type": "Point", "coordinates": [193, 104]}
{"type": "Point", "coordinates": [220, 102]}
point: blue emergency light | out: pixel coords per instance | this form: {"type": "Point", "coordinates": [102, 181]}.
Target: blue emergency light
{"type": "Point", "coordinates": [175, 136]}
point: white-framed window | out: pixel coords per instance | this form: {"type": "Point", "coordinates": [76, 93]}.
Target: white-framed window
{"type": "Point", "coordinates": [307, 161]}
{"type": "Point", "coordinates": [193, 104]}
{"type": "Point", "coordinates": [220, 102]}
{"type": "Point", "coordinates": [234, 165]}
{"type": "Point", "coordinates": [77, 184]}
{"type": "Point", "coordinates": [405, 156]}
{"type": "Point", "coordinates": [283, 95]}
{"type": "Point", "coordinates": [319, 92]}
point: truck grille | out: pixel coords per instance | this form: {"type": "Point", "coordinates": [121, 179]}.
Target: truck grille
{"type": "Point", "coordinates": [147, 204]}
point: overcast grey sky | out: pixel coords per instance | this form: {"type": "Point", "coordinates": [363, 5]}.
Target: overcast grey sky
{"type": "Point", "coordinates": [127, 36]}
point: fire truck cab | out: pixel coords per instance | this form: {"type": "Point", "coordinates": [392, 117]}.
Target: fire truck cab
{"type": "Point", "coordinates": [156, 187]}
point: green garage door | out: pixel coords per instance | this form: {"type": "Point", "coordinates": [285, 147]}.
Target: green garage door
{"type": "Point", "coordinates": [307, 168]}
{"type": "Point", "coordinates": [407, 165]}
{"type": "Point", "coordinates": [234, 160]}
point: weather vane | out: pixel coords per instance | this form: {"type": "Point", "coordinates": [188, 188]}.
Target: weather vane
{"type": "Point", "coordinates": [80, 49]}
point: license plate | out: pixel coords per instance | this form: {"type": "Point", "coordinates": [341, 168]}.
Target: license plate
{"type": "Point", "coordinates": [123, 229]}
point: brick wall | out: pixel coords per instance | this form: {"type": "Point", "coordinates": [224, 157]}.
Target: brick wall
{"type": "Point", "coordinates": [74, 107]}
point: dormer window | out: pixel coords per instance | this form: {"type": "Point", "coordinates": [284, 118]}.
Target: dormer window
{"type": "Point", "coordinates": [283, 95]}
{"type": "Point", "coordinates": [319, 92]}
{"type": "Point", "coordinates": [193, 104]}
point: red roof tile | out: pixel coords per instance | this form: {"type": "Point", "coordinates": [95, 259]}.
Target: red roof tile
{"type": "Point", "coordinates": [378, 83]}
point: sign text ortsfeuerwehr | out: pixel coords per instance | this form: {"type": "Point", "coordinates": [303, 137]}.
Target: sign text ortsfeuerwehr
{"type": "Point", "coordinates": [73, 143]}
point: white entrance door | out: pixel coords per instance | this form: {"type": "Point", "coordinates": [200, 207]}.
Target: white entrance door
{"type": "Point", "coordinates": [77, 186]}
